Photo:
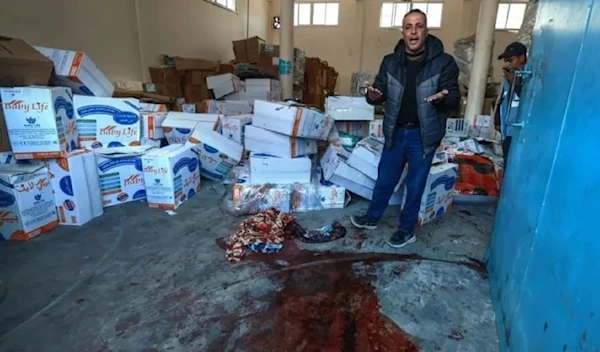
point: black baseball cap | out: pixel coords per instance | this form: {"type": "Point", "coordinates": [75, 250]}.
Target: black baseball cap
{"type": "Point", "coordinates": [513, 49]}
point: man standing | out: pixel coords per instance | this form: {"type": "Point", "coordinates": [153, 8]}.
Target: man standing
{"type": "Point", "coordinates": [507, 106]}
{"type": "Point", "coordinates": [419, 85]}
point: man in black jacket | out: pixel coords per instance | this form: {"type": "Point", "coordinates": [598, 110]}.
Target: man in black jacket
{"type": "Point", "coordinates": [419, 85]}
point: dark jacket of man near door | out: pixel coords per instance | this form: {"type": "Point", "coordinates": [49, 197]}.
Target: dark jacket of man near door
{"type": "Point", "coordinates": [418, 85]}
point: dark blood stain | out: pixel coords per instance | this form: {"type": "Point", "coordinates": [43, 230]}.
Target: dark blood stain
{"type": "Point", "coordinates": [545, 326]}
{"type": "Point", "coordinates": [128, 322]}
{"type": "Point", "coordinates": [80, 300]}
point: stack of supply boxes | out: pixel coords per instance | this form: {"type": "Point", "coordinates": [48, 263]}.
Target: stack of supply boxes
{"type": "Point", "coordinates": [282, 141]}
{"type": "Point", "coordinates": [353, 118]}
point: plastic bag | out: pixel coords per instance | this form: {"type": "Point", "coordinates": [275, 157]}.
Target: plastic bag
{"type": "Point", "coordinates": [324, 234]}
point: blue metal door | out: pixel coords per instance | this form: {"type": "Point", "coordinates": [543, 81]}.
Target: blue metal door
{"type": "Point", "coordinates": [545, 251]}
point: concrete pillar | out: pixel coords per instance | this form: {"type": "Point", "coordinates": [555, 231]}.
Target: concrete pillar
{"type": "Point", "coordinates": [484, 43]}
{"type": "Point", "coordinates": [286, 49]}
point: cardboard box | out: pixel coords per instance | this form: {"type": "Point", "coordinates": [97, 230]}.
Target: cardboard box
{"type": "Point", "coordinates": [291, 120]}
{"type": "Point", "coordinates": [22, 65]}
{"type": "Point", "coordinates": [349, 108]}
{"type": "Point", "coordinates": [149, 107]}
{"type": "Point", "coordinates": [178, 126]}
{"type": "Point", "coordinates": [457, 128]}
{"type": "Point", "coordinates": [314, 197]}
{"type": "Point", "coordinates": [77, 71]}
{"type": "Point", "coordinates": [195, 93]}
{"type": "Point", "coordinates": [376, 130]}
{"type": "Point", "coordinates": [224, 84]}
{"type": "Point", "coordinates": [337, 171]}
{"type": "Point", "coordinates": [247, 50]}
{"type": "Point", "coordinates": [249, 198]}
{"type": "Point", "coordinates": [217, 153]}
{"type": "Point", "coordinates": [269, 169]}
{"type": "Point", "coordinates": [189, 108]}
{"type": "Point", "coordinates": [164, 74]}
{"type": "Point", "coordinates": [40, 121]}
{"type": "Point", "coordinates": [191, 64]}
{"type": "Point", "coordinates": [152, 124]}
{"type": "Point", "coordinates": [172, 90]}
{"type": "Point", "coordinates": [171, 176]}
{"type": "Point", "coordinates": [233, 127]}
{"type": "Point", "coordinates": [26, 202]}
{"type": "Point", "coordinates": [366, 156]}
{"type": "Point", "coordinates": [227, 108]}
{"type": "Point", "coordinates": [353, 128]}
{"type": "Point", "coordinates": [107, 122]}
{"type": "Point", "coordinates": [197, 78]}
{"type": "Point", "coordinates": [264, 141]}
{"type": "Point", "coordinates": [259, 88]}
{"type": "Point", "coordinates": [76, 187]}
{"type": "Point", "coordinates": [155, 143]}
{"type": "Point", "coordinates": [439, 192]}
{"type": "Point", "coordinates": [120, 174]}
{"type": "Point", "coordinates": [483, 127]}
{"type": "Point", "coordinates": [4, 140]}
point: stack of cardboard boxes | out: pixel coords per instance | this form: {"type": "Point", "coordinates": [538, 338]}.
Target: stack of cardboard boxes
{"type": "Point", "coordinates": [321, 80]}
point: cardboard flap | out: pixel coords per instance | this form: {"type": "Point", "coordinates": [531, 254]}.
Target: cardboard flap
{"type": "Point", "coordinates": [120, 152]}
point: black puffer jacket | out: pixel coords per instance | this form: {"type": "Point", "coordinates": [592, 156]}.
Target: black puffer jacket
{"type": "Point", "coordinates": [439, 72]}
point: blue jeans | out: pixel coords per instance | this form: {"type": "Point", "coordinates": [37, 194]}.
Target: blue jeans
{"type": "Point", "coordinates": [407, 148]}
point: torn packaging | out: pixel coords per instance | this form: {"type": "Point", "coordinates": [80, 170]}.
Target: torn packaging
{"type": "Point", "coordinates": [179, 126]}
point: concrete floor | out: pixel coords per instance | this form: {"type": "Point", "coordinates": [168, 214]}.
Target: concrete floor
{"type": "Point", "coordinates": [138, 279]}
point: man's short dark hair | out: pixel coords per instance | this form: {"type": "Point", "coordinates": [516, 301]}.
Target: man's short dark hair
{"type": "Point", "coordinates": [416, 11]}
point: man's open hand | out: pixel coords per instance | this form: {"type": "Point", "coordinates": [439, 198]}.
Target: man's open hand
{"type": "Point", "coordinates": [437, 96]}
{"type": "Point", "coordinates": [372, 92]}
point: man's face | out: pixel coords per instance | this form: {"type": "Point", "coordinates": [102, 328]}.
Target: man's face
{"type": "Point", "coordinates": [414, 32]}
{"type": "Point", "coordinates": [514, 63]}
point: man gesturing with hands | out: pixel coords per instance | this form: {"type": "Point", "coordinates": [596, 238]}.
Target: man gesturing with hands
{"type": "Point", "coordinates": [418, 85]}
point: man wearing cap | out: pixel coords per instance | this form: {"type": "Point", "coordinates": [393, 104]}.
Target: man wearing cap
{"type": "Point", "coordinates": [507, 105]}
{"type": "Point", "coordinates": [418, 83]}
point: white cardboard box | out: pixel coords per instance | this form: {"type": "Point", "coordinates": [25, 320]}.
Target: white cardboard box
{"type": "Point", "coordinates": [26, 202]}
{"type": "Point", "coordinates": [263, 141]}
{"type": "Point", "coordinates": [150, 107]}
{"type": "Point", "coordinates": [152, 124]}
{"type": "Point", "coordinates": [179, 126]}
{"type": "Point", "coordinates": [263, 89]}
{"type": "Point", "coordinates": [107, 122]}
{"type": "Point", "coordinates": [366, 156]}
{"type": "Point", "coordinates": [121, 175]}
{"type": "Point", "coordinates": [76, 187]}
{"type": "Point", "coordinates": [439, 192]}
{"type": "Point", "coordinates": [349, 108]}
{"type": "Point", "coordinates": [233, 127]}
{"type": "Point", "coordinates": [256, 198]}
{"type": "Point", "coordinates": [171, 175]}
{"type": "Point", "coordinates": [40, 121]}
{"type": "Point", "coordinates": [483, 127]}
{"type": "Point", "coordinates": [457, 127]}
{"type": "Point", "coordinates": [77, 71]}
{"type": "Point", "coordinates": [224, 84]}
{"type": "Point", "coordinates": [217, 154]}
{"type": "Point", "coordinates": [337, 171]}
{"type": "Point", "coordinates": [314, 197]}
{"type": "Point", "coordinates": [269, 169]}
{"type": "Point", "coordinates": [228, 107]}
{"type": "Point", "coordinates": [294, 121]}
{"type": "Point", "coordinates": [376, 130]}
{"type": "Point", "coordinates": [353, 128]}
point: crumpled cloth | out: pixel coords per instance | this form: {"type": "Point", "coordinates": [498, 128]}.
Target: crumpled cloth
{"type": "Point", "coordinates": [269, 226]}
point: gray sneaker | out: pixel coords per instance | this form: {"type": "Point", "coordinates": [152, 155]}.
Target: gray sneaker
{"type": "Point", "coordinates": [400, 239]}
{"type": "Point", "coordinates": [363, 222]}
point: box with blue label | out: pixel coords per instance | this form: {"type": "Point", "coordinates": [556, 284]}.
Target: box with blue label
{"type": "Point", "coordinates": [120, 174]}
{"type": "Point", "coordinates": [217, 153]}
{"type": "Point", "coordinates": [108, 122]}
{"type": "Point", "coordinates": [171, 175]}
{"type": "Point", "coordinates": [40, 121]}
{"type": "Point", "coordinates": [439, 192]}
{"type": "Point", "coordinates": [76, 187]}
{"type": "Point", "coordinates": [292, 120]}
{"type": "Point", "coordinates": [26, 202]}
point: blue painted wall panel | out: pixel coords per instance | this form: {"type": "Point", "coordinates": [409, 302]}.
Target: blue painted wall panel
{"type": "Point", "coordinates": [542, 246]}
